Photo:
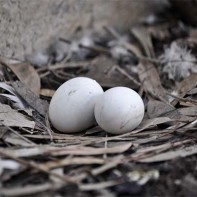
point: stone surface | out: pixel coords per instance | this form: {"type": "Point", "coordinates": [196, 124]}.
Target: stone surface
{"type": "Point", "coordinates": [29, 24]}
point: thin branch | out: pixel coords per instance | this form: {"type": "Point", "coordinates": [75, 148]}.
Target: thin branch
{"type": "Point", "coordinates": [33, 165]}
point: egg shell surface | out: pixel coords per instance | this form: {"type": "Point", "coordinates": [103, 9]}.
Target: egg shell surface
{"type": "Point", "coordinates": [119, 110]}
{"type": "Point", "coordinates": [72, 106]}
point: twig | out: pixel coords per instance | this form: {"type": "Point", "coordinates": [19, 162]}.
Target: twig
{"type": "Point", "coordinates": [37, 167]}
{"type": "Point", "coordinates": [105, 154]}
{"type": "Point", "coordinates": [68, 65]}
{"type": "Point", "coordinates": [99, 186]}
{"type": "Point", "coordinates": [27, 190]}
{"type": "Point", "coordinates": [48, 128]}
{"type": "Point", "coordinates": [65, 40]}
{"type": "Point", "coordinates": [183, 99]}
{"type": "Point", "coordinates": [18, 134]}
{"type": "Point", "coordinates": [111, 31]}
{"type": "Point", "coordinates": [160, 98]}
{"type": "Point", "coordinates": [127, 75]}
{"type": "Point", "coordinates": [96, 49]}
{"type": "Point", "coordinates": [156, 150]}
{"type": "Point", "coordinates": [45, 74]}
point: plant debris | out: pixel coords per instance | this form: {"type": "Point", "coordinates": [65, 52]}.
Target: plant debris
{"type": "Point", "coordinates": [156, 159]}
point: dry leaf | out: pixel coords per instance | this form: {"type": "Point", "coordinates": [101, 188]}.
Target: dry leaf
{"type": "Point", "coordinates": [28, 75]}
{"type": "Point", "coordinates": [70, 150]}
{"type": "Point", "coordinates": [17, 140]}
{"type": "Point", "coordinates": [41, 106]}
{"type": "Point", "coordinates": [71, 161]}
{"type": "Point", "coordinates": [101, 169]}
{"type": "Point", "coordinates": [98, 186]}
{"type": "Point", "coordinates": [47, 92]}
{"type": "Point", "coordinates": [184, 152]}
{"type": "Point", "coordinates": [158, 108]}
{"type": "Point", "coordinates": [90, 150]}
{"type": "Point", "coordinates": [150, 79]}
{"type": "Point", "coordinates": [27, 190]}
{"type": "Point", "coordinates": [17, 101]}
{"type": "Point", "coordinates": [152, 122]}
{"type": "Point", "coordinates": [147, 72]}
{"type": "Point", "coordinates": [176, 115]}
{"type": "Point", "coordinates": [144, 38]}
{"type": "Point", "coordinates": [102, 69]}
{"type": "Point", "coordinates": [12, 118]}
{"type": "Point", "coordinates": [185, 86]}
{"type": "Point", "coordinates": [8, 164]}
{"type": "Point", "coordinates": [193, 91]}
{"type": "Point", "coordinates": [26, 152]}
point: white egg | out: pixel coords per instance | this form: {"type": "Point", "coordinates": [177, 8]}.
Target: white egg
{"type": "Point", "coordinates": [72, 106]}
{"type": "Point", "coordinates": [119, 110]}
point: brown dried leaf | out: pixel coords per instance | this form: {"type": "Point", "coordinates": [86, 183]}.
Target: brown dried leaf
{"type": "Point", "coordinates": [27, 151]}
{"type": "Point", "coordinates": [176, 115]}
{"type": "Point", "coordinates": [27, 190]}
{"type": "Point", "coordinates": [71, 161]}
{"type": "Point", "coordinates": [150, 79]}
{"type": "Point", "coordinates": [144, 38]}
{"type": "Point", "coordinates": [192, 124]}
{"type": "Point", "coordinates": [41, 106]}
{"type": "Point", "coordinates": [90, 150]}
{"type": "Point", "coordinates": [154, 138]}
{"type": "Point", "coordinates": [28, 75]}
{"type": "Point", "coordinates": [185, 86]}
{"type": "Point", "coordinates": [102, 69]}
{"type": "Point", "coordinates": [193, 91]}
{"type": "Point", "coordinates": [70, 150]}
{"type": "Point", "coordinates": [47, 92]}
{"type": "Point", "coordinates": [98, 186]}
{"type": "Point", "coordinates": [158, 108]}
{"type": "Point", "coordinates": [101, 169]}
{"type": "Point", "coordinates": [147, 72]}
{"type": "Point", "coordinates": [13, 139]}
{"type": "Point", "coordinates": [187, 104]}
{"type": "Point", "coordinates": [12, 118]}
{"type": "Point", "coordinates": [184, 152]}
{"type": "Point", "coordinates": [152, 122]}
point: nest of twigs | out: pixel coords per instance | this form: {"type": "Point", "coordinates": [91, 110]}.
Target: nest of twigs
{"type": "Point", "coordinates": [37, 160]}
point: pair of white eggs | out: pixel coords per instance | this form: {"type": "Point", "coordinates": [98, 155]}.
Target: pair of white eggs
{"type": "Point", "coordinates": [80, 101]}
